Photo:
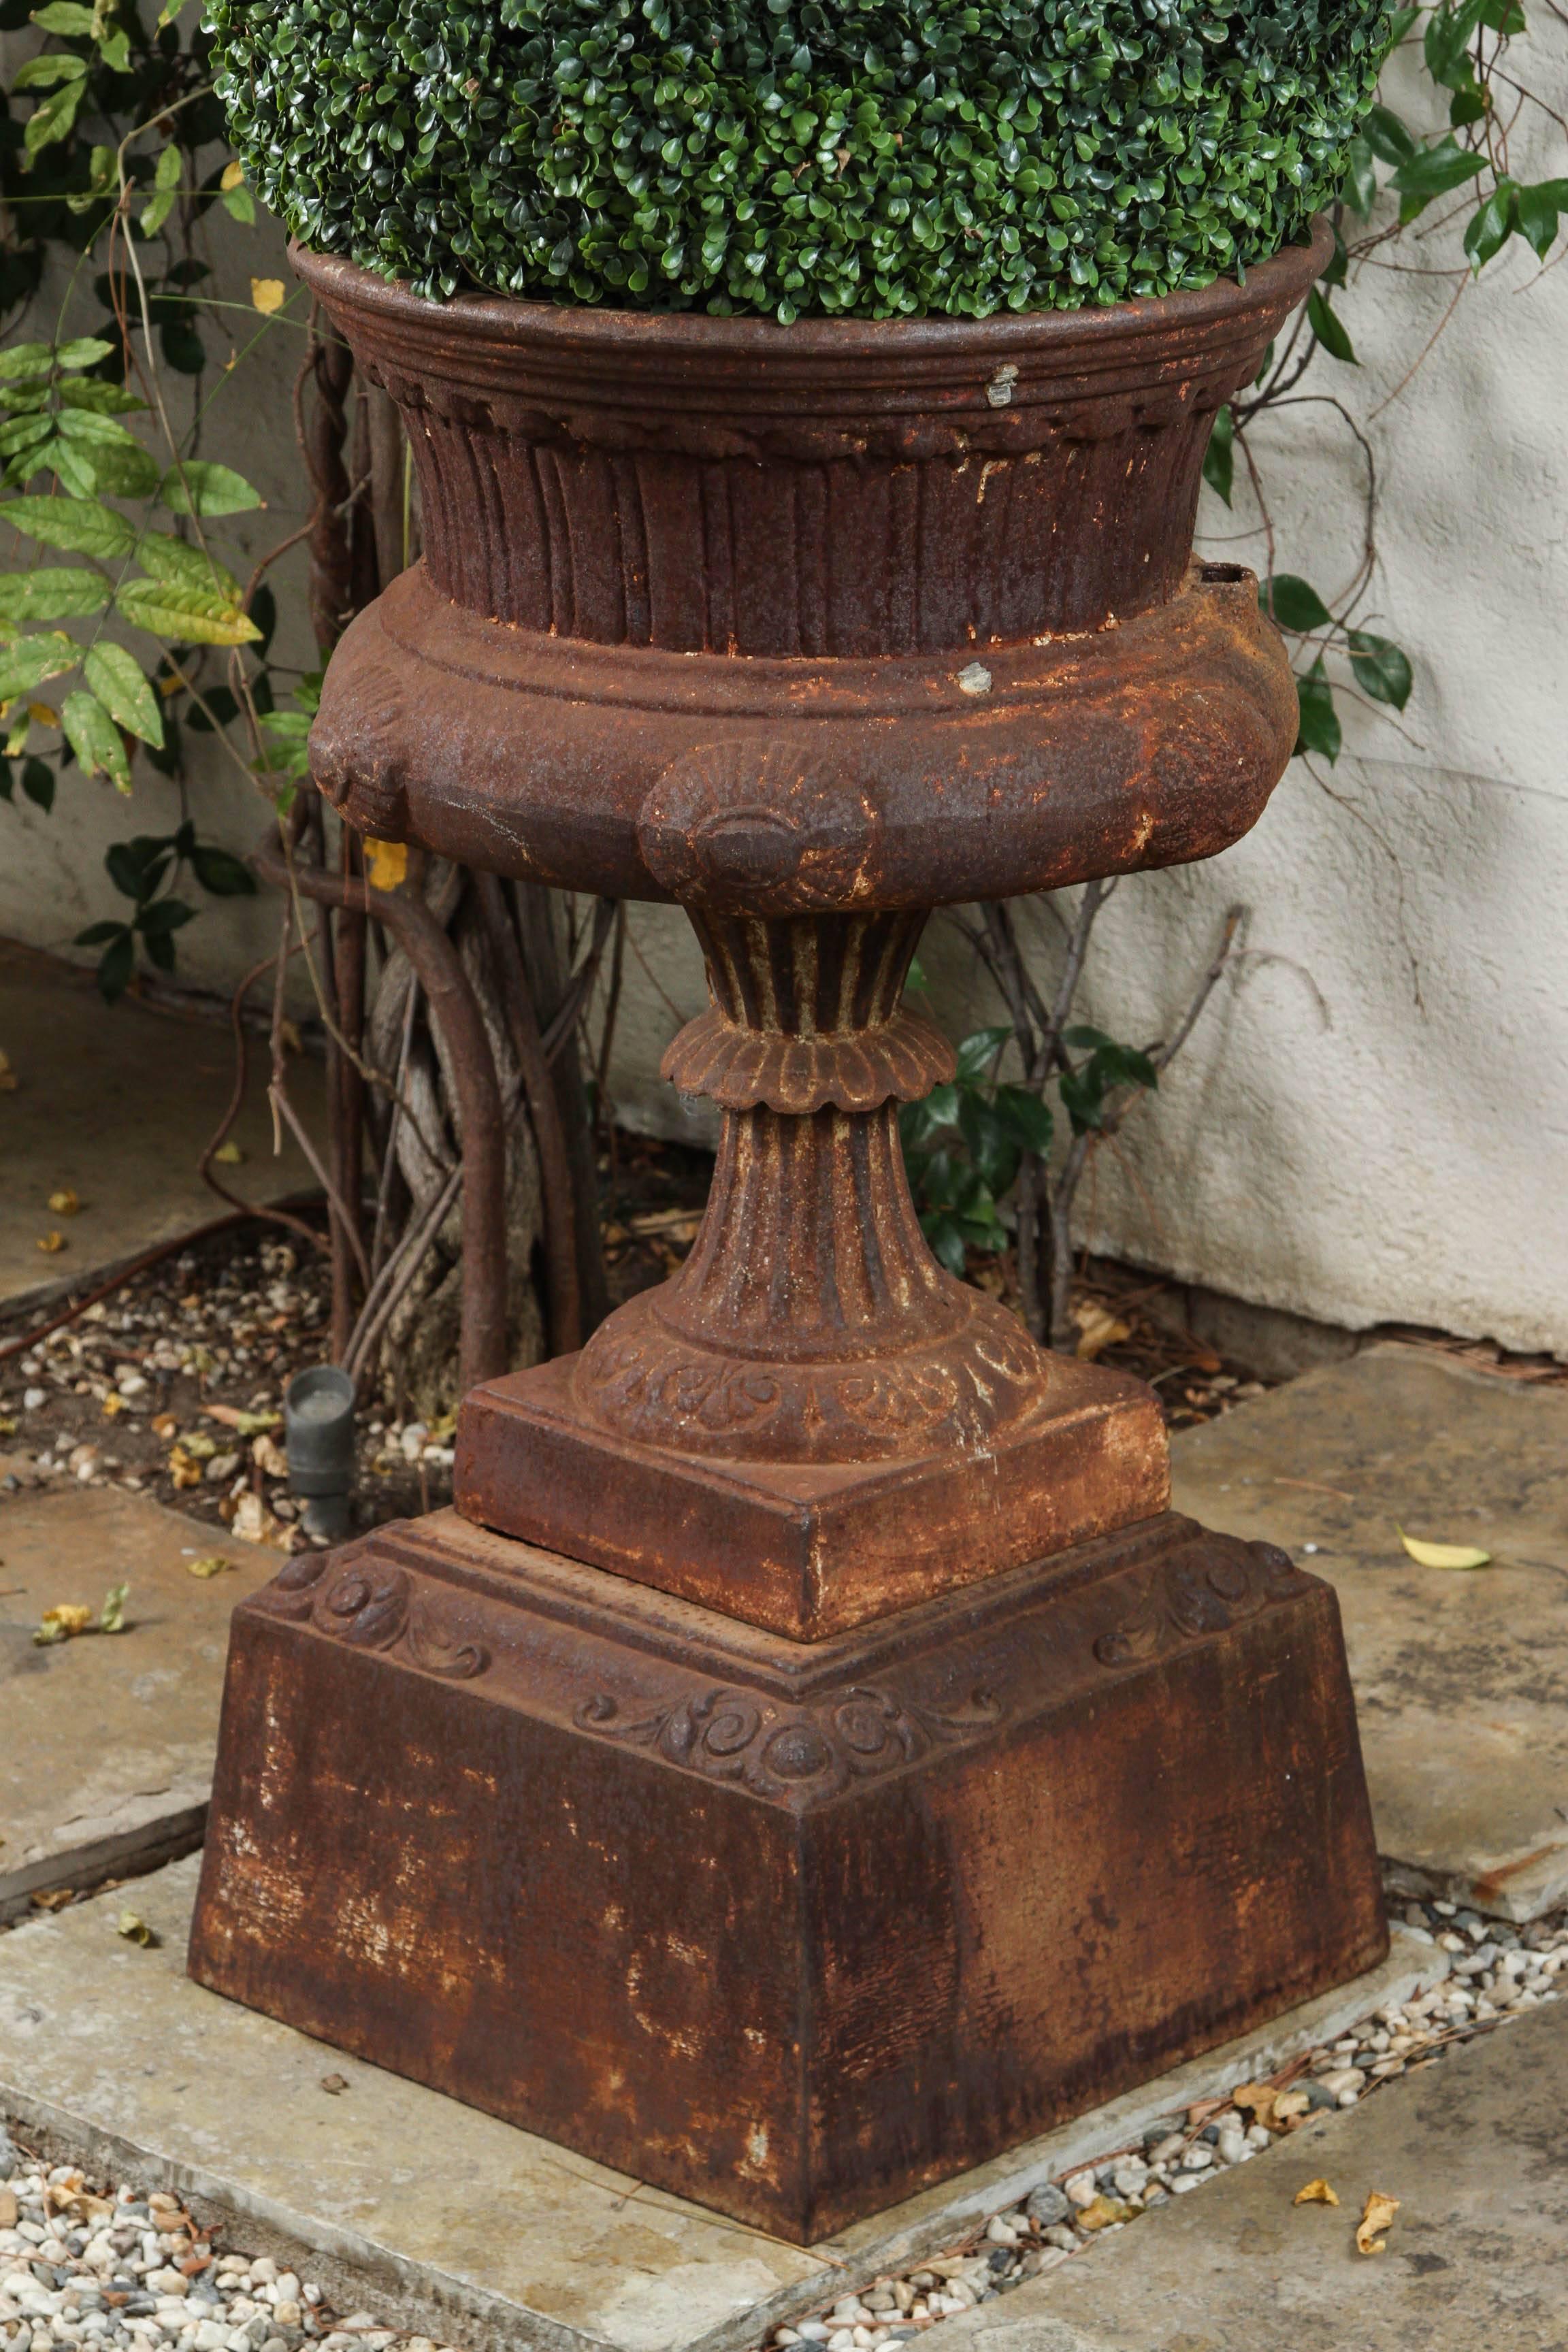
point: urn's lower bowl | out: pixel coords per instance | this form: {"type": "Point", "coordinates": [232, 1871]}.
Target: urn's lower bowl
{"type": "Point", "coordinates": [796, 786]}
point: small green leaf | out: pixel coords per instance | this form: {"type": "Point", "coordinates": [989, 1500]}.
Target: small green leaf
{"type": "Point", "coordinates": [55, 119]}
{"type": "Point", "coordinates": [1219, 457]}
{"type": "Point", "coordinates": [992, 1149]}
{"type": "Point", "coordinates": [117, 678]}
{"type": "Point", "coordinates": [79, 525]}
{"type": "Point", "coordinates": [1490, 228]}
{"type": "Point", "coordinates": [1432, 172]}
{"type": "Point", "coordinates": [30, 660]}
{"type": "Point", "coordinates": [1449, 32]}
{"type": "Point", "coordinates": [1319, 722]}
{"type": "Point", "coordinates": [1028, 1117]}
{"type": "Point", "coordinates": [1329, 328]}
{"type": "Point", "coordinates": [55, 595]}
{"type": "Point", "coordinates": [116, 965]}
{"type": "Point", "coordinates": [171, 559]}
{"type": "Point", "coordinates": [66, 17]}
{"type": "Point", "coordinates": [29, 360]}
{"type": "Point", "coordinates": [164, 915]}
{"type": "Point", "coordinates": [191, 615]}
{"type": "Point", "coordinates": [946, 1238]}
{"type": "Point", "coordinates": [1388, 137]}
{"type": "Point", "coordinates": [1382, 669]}
{"type": "Point", "coordinates": [221, 873]}
{"type": "Point", "coordinates": [1538, 210]}
{"type": "Point", "coordinates": [43, 73]}
{"type": "Point", "coordinates": [239, 204]}
{"type": "Point", "coordinates": [94, 738]}
{"type": "Point", "coordinates": [1295, 605]}
{"type": "Point", "coordinates": [978, 1050]}
{"type": "Point", "coordinates": [1359, 189]}
{"type": "Point", "coordinates": [200, 487]}
{"type": "Point", "coordinates": [122, 468]}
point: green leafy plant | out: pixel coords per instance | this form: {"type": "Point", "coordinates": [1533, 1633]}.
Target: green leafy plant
{"type": "Point", "coordinates": [965, 1143]}
{"type": "Point", "coordinates": [789, 156]}
{"type": "Point", "coordinates": [118, 600]}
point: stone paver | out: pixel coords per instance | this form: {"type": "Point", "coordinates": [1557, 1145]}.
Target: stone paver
{"type": "Point", "coordinates": [455, 2218]}
{"type": "Point", "coordinates": [1474, 2149]}
{"type": "Point", "coordinates": [117, 1104]}
{"type": "Point", "coordinates": [106, 1742]}
{"type": "Point", "coordinates": [1461, 1677]}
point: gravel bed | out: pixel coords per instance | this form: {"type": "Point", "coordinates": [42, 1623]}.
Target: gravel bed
{"type": "Point", "coordinates": [1498, 1972]}
{"type": "Point", "coordinates": [173, 1387]}
{"type": "Point", "coordinates": [79, 2266]}
{"type": "Point", "coordinates": [96, 2265]}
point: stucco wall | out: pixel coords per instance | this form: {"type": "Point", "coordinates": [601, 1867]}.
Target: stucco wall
{"type": "Point", "coordinates": [1372, 1122]}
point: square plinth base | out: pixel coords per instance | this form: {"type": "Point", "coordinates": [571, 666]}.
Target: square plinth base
{"type": "Point", "coordinates": [801, 1549]}
{"type": "Point", "coordinates": [790, 1931]}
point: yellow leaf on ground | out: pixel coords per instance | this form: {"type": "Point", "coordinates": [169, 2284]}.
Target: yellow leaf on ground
{"type": "Point", "coordinates": [211, 1563]}
{"type": "Point", "coordinates": [386, 862]}
{"type": "Point", "coordinates": [1316, 2192]}
{"type": "Point", "coordinates": [59, 1623]}
{"type": "Point", "coordinates": [229, 1155]}
{"type": "Point", "coordinates": [1255, 2099]}
{"type": "Point", "coordinates": [1379, 2211]}
{"type": "Point", "coordinates": [269, 1456]}
{"type": "Point", "coordinates": [51, 1243]}
{"type": "Point", "coordinates": [1097, 1329]}
{"type": "Point", "coordinates": [113, 1403]}
{"type": "Point", "coordinates": [1101, 2213]}
{"type": "Point", "coordinates": [64, 1204]}
{"type": "Point", "coordinates": [1436, 1555]}
{"type": "Point", "coordinates": [135, 1930]}
{"type": "Point", "coordinates": [111, 1616]}
{"type": "Point", "coordinates": [233, 174]}
{"type": "Point", "coordinates": [267, 295]}
{"type": "Point", "coordinates": [183, 1470]}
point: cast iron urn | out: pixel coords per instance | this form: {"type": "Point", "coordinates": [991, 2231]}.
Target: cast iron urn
{"type": "Point", "coordinates": [811, 1757]}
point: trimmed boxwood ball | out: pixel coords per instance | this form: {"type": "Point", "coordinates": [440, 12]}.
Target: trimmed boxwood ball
{"type": "Point", "coordinates": [799, 156]}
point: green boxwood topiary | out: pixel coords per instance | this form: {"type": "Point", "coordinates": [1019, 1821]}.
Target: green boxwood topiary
{"type": "Point", "coordinates": [793, 156]}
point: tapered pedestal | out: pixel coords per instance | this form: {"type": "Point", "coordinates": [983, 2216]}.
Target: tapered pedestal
{"type": "Point", "coordinates": [790, 1929]}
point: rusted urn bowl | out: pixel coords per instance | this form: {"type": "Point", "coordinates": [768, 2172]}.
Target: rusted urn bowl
{"type": "Point", "coordinates": [837, 615]}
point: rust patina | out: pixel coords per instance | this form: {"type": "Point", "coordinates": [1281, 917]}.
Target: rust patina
{"type": "Point", "coordinates": [812, 1757]}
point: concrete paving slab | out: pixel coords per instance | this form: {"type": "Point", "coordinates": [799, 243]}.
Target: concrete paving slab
{"type": "Point", "coordinates": [106, 1755]}
{"type": "Point", "coordinates": [1476, 2150]}
{"type": "Point", "coordinates": [1461, 1677]}
{"type": "Point", "coordinates": [457, 2221]}
{"type": "Point", "coordinates": [117, 1104]}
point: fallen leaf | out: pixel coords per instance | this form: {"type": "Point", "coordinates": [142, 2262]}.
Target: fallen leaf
{"type": "Point", "coordinates": [1289, 2107]}
{"type": "Point", "coordinates": [51, 1242]}
{"type": "Point", "coordinates": [135, 1930]}
{"type": "Point", "coordinates": [1102, 2211]}
{"type": "Point", "coordinates": [269, 1456]}
{"type": "Point", "coordinates": [59, 1623]}
{"type": "Point", "coordinates": [385, 863]}
{"type": "Point", "coordinates": [111, 1616]}
{"type": "Point", "coordinates": [1316, 2192]}
{"type": "Point", "coordinates": [55, 1899]}
{"type": "Point", "coordinates": [1440, 1555]}
{"type": "Point", "coordinates": [1257, 2100]}
{"type": "Point", "coordinates": [64, 1204]}
{"type": "Point", "coordinates": [9, 2209]}
{"type": "Point", "coordinates": [8, 1079]}
{"type": "Point", "coordinates": [183, 1470]}
{"type": "Point", "coordinates": [289, 1034]}
{"type": "Point", "coordinates": [113, 1403]}
{"type": "Point", "coordinates": [244, 1424]}
{"type": "Point", "coordinates": [164, 1424]}
{"type": "Point", "coordinates": [230, 1155]}
{"type": "Point", "coordinates": [1098, 1328]}
{"type": "Point", "coordinates": [335, 2083]}
{"type": "Point", "coordinates": [254, 1522]}
{"type": "Point", "coordinates": [1379, 2211]}
{"type": "Point", "coordinates": [267, 295]}
{"type": "Point", "coordinates": [198, 1446]}
{"type": "Point", "coordinates": [211, 1563]}
{"type": "Point", "coordinates": [7, 1426]}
